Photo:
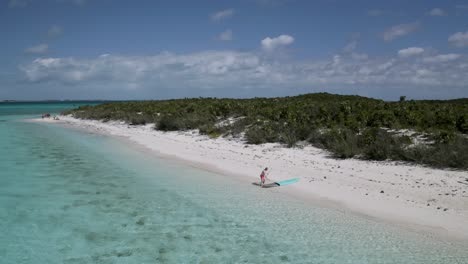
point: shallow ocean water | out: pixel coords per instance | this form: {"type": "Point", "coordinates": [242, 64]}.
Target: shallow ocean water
{"type": "Point", "coordinates": [69, 196]}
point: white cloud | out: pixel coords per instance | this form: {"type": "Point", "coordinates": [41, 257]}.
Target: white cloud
{"type": "Point", "coordinates": [270, 44]}
{"type": "Point", "coordinates": [408, 52]}
{"type": "Point", "coordinates": [226, 35]}
{"type": "Point", "coordinates": [54, 31]}
{"type": "Point", "coordinates": [400, 31]}
{"type": "Point", "coordinates": [41, 48]}
{"type": "Point", "coordinates": [351, 46]}
{"type": "Point", "coordinates": [459, 39]}
{"type": "Point", "coordinates": [224, 71]}
{"type": "Point", "coordinates": [222, 15]}
{"type": "Point", "coordinates": [437, 12]}
{"type": "Point", "coordinates": [165, 67]}
{"type": "Point", "coordinates": [359, 56]}
{"type": "Point", "coordinates": [442, 58]}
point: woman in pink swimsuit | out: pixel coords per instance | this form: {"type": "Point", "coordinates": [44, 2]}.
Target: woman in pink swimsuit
{"type": "Point", "coordinates": [263, 176]}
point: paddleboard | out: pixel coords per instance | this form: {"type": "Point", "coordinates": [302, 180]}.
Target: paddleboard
{"type": "Point", "coordinates": [277, 183]}
{"type": "Point", "coordinates": [287, 182]}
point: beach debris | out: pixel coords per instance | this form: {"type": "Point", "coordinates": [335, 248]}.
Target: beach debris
{"type": "Point", "coordinates": [381, 191]}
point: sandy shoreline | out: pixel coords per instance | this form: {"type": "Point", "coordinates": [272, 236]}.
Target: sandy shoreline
{"type": "Point", "coordinates": [430, 200]}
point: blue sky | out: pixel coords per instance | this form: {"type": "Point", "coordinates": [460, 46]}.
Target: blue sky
{"type": "Point", "coordinates": [111, 49]}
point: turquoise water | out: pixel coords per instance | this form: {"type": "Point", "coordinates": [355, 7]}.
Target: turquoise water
{"type": "Point", "coordinates": [69, 196]}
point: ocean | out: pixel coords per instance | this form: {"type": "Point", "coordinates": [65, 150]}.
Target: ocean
{"type": "Point", "coordinates": [71, 196]}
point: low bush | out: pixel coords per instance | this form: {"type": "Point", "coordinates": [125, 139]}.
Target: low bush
{"type": "Point", "coordinates": [260, 134]}
{"type": "Point", "coordinates": [453, 154]}
{"type": "Point", "coordinates": [168, 123]}
{"type": "Point", "coordinates": [238, 127]}
{"type": "Point", "coordinates": [341, 142]}
{"type": "Point", "coordinates": [289, 138]}
{"type": "Point", "coordinates": [442, 137]}
{"type": "Point", "coordinates": [137, 120]}
{"type": "Point", "coordinates": [210, 130]}
{"type": "Point", "coordinates": [378, 144]}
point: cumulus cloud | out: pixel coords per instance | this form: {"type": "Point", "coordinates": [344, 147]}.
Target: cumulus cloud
{"type": "Point", "coordinates": [270, 44]}
{"type": "Point", "coordinates": [408, 52]}
{"type": "Point", "coordinates": [222, 15]}
{"type": "Point", "coordinates": [459, 39]}
{"type": "Point", "coordinates": [351, 46]}
{"type": "Point", "coordinates": [55, 31]}
{"type": "Point", "coordinates": [442, 58]}
{"type": "Point", "coordinates": [228, 70]}
{"type": "Point", "coordinates": [194, 69]}
{"type": "Point", "coordinates": [399, 31]}
{"type": "Point", "coordinates": [226, 35]}
{"type": "Point", "coordinates": [41, 48]}
{"type": "Point", "coordinates": [437, 12]}
{"type": "Point", "coordinates": [359, 56]}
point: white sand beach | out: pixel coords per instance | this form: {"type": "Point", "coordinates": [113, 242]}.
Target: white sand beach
{"type": "Point", "coordinates": [425, 199]}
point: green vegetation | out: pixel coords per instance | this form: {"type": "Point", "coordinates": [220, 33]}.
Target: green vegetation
{"type": "Point", "coordinates": [347, 126]}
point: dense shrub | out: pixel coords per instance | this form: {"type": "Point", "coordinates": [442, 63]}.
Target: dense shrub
{"type": "Point", "coordinates": [462, 123]}
{"type": "Point", "coordinates": [168, 123]}
{"type": "Point", "coordinates": [137, 120]}
{"type": "Point", "coordinates": [452, 154]}
{"type": "Point", "coordinates": [378, 144]}
{"type": "Point", "coordinates": [181, 122]}
{"type": "Point", "coordinates": [261, 134]}
{"type": "Point", "coordinates": [348, 126]}
{"type": "Point", "coordinates": [342, 143]}
{"type": "Point", "coordinates": [211, 130]}
{"type": "Point", "coordinates": [288, 137]}
{"type": "Point", "coordinates": [239, 126]}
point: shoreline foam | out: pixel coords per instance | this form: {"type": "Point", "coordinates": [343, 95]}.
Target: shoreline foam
{"type": "Point", "coordinates": [410, 198]}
